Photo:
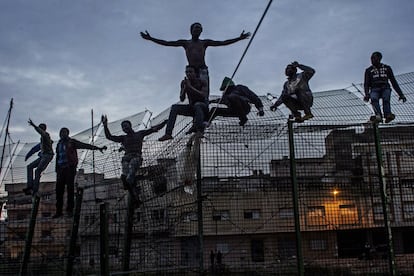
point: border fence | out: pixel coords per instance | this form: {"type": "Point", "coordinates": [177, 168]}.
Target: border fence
{"type": "Point", "coordinates": [324, 197]}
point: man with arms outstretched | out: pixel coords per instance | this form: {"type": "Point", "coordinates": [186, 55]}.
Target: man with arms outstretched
{"type": "Point", "coordinates": [132, 159]}
{"type": "Point", "coordinates": [195, 48]}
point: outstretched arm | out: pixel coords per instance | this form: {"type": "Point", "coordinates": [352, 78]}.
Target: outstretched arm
{"type": "Point", "coordinates": [108, 134]}
{"type": "Point", "coordinates": [243, 35]}
{"type": "Point", "coordinates": [37, 128]}
{"type": "Point", "coordinates": [155, 128]}
{"type": "Point", "coordinates": [81, 145]}
{"type": "Point", "coordinates": [145, 35]}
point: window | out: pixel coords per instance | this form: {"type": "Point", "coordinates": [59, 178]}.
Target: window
{"type": "Point", "coordinates": [221, 215]}
{"type": "Point", "coordinates": [408, 210]}
{"type": "Point", "coordinates": [316, 211]}
{"type": "Point", "coordinates": [315, 216]}
{"type": "Point", "coordinates": [159, 214]}
{"type": "Point", "coordinates": [46, 214]}
{"type": "Point", "coordinates": [257, 248]}
{"type": "Point", "coordinates": [317, 244]}
{"type": "Point", "coordinates": [285, 213]}
{"type": "Point", "coordinates": [190, 216]}
{"type": "Point", "coordinates": [137, 217]}
{"type": "Point", "coordinates": [252, 214]}
{"type": "Point", "coordinates": [377, 211]}
{"type": "Point", "coordinates": [349, 214]}
{"type": "Point", "coordinates": [223, 248]}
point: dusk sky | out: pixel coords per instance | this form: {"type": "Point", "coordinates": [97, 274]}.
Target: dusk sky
{"type": "Point", "coordinates": [61, 59]}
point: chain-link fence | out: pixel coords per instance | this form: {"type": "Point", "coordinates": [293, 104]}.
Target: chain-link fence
{"type": "Point", "coordinates": [332, 195]}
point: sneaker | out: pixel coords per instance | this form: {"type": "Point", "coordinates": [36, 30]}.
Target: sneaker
{"type": "Point", "coordinates": [389, 118]}
{"type": "Point", "coordinates": [165, 137]}
{"type": "Point", "coordinates": [376, 119]}
{"type": "Point", "coordinates": [27, 191]}
{"type": "Point", "coordinates": [243, 121]}
{"type": "Point", "coordinates": [190, 130]}
{"type": "Point", "coordinates": [299, 119]}
{"type": "Point", "coordinates": [307, 117]}
{"type": "Point", "coordinates": [57, 215]}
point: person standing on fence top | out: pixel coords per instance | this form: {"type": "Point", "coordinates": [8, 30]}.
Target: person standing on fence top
{"type": "Point", "coordinates": [66, 163]}
{"type": "Point", "coordinates": [195, 48]}
{"type": "Point", "coordinates": [296, 94]}
{"type": "Point", "coordinates": [376, 86]}
{"type": "Point", "coordinates": [238, 99]}
{"type": "Point", "coordinates": [40, 164]}
{"type": "Point", "coordinates": [132, 144]}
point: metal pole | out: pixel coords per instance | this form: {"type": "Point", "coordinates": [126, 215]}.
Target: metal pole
{"type": "Point", "coordinates": [199, 205]}
{"type": "Point", "coordinates": [74, 232]}
{"type": "Point", "coordinates": [300, 266]}
{"type": "Point", "coordinates": [384, 200]}
{"type": "Point", "coordinates": [127, 234]}
{"type": "Point", "coordinates": [29, 236]}
{"type": "Point", "coordinates": [104, 237]}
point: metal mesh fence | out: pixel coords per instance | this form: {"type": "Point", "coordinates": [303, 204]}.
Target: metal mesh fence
{"type": "Point", "coordinates": [333, 195]}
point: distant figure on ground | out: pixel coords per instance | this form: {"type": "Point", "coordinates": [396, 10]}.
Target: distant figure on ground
{"type": "Point", "coordinates": [238, 99]}
{"type": "Point", "coordinates": [296, 94]}
{"type": "Point", "coordinates": [376, 86]}
{"type": "Point", "coordinates": [195, 48]}
{"type": "Point", "coordinates": [66, 163]}
{"type": "Point", "coordinates": [40, 164]}
{"type": "Point", "coordinates": [219, 258]}
{"type": "Point", "coordinates": [197, 92]}
{"type": "Point", "coordinates": [212, 257]}
{"type": "Point", "coordinates": [132, 159]}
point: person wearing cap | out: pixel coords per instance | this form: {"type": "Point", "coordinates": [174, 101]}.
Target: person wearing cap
{"type": "Point", "coordinates": [296, 93]}
{"type": "Point", "coordinates": [376, 86]}
{"type": "Point", "coordinates": [195, 48]}
{"type": "Point", "coordinates": [196, 90]}
{"type": "Point", "coordinates": [237, 98]}
{"type": "Point", "coordinates": [40, 164]}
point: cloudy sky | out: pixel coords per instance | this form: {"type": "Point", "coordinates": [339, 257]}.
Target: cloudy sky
{"type": "Point", "coordinates": [61, 59]}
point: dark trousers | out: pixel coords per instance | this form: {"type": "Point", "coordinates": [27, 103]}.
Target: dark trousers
{"type": "Point", "coordinates": [65, 177]}
{"type": "Point", "coordinates": [237, 107]}
{"type": "Point", "coordinates": [39, 165]}
{"type": "Point", "coordinates": [299, 101]}
{"type": "Point", "coordinates": [198, 110]}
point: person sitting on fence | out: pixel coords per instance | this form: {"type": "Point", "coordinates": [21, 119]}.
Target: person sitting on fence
{"type": "Point", "coordinates": [132, 159]}
{"type": "Point", "coordinates": [376, 86]}
{"type": "Point", "coordinates": [238, 99]}
{"type": "Point", "coordinates": [40, 164]}
{"type": "Point", "coordinates": [197, 92]}
{"type": "Point", "coordinates": [296, 94]}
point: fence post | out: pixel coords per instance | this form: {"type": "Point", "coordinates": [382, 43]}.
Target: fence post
{"type": "Point", "coordinates": [104, 237]}
{"type": "Point", "coordinates": [199, 205]}
{"type": "Point", "coordinates": [74, 232]}
{"type": "Point", "coordinates": [292, 159]}
{"type": "Point", "coordinates": [126, 251]}
{"type": "Point", "coordinates": [384, 200]}
{"type": "Point", "coordinates": [29, 235]}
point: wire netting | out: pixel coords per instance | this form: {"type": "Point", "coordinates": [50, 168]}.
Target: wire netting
{"type": "Point", "coordinates": [225, 203]}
